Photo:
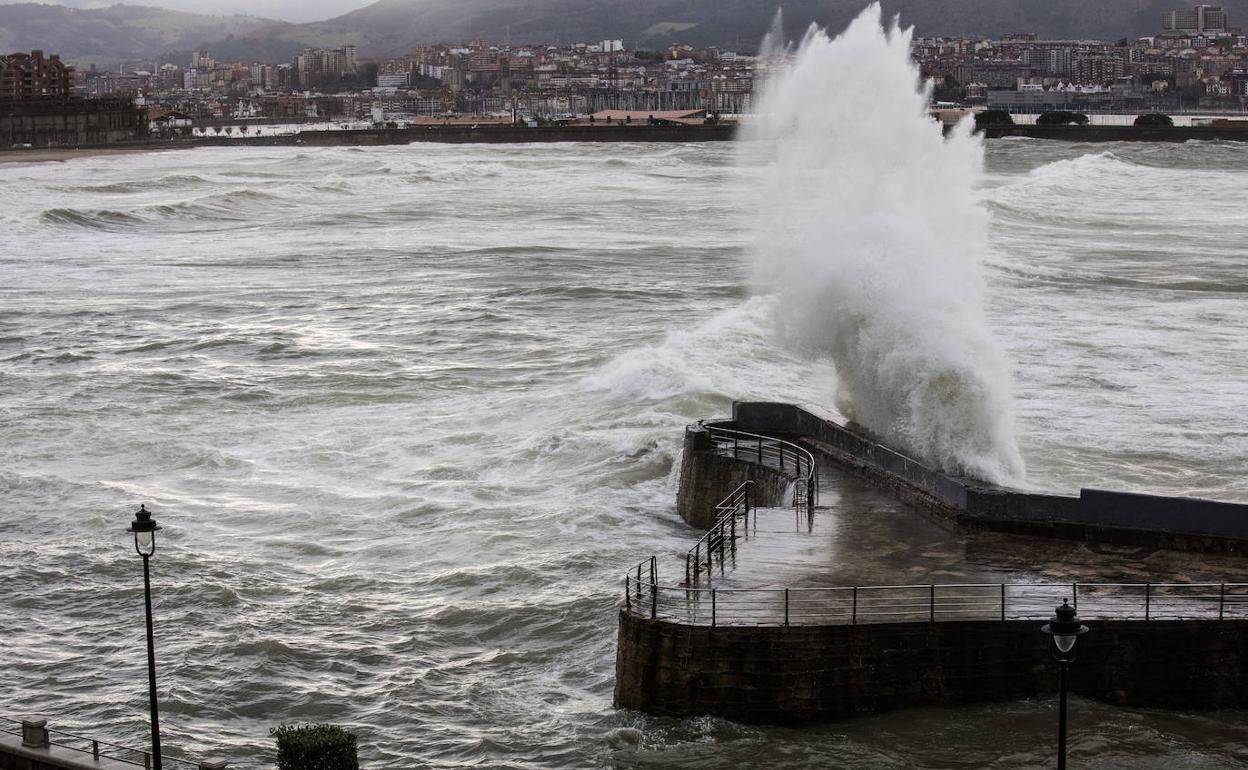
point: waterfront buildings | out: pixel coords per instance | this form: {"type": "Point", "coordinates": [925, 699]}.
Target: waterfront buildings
{"type": "Point", "coordinates": [32, 76]}
{"type": "Point", "coordinates": [1197, 60]}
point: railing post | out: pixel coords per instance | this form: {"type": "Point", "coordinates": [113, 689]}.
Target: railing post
{"type": "Point", "coordinates": [95, 745]}
{"type": "Point", "coordinates": [1221, 600]}
{"type": "Point", "coordinates": [931, 599]}
{"type": "Point", "coordinates": [786, 606]}
{"type": "Point", "coordinates": [782, 457]}
{"type": "Point", "coordinates": [853, 618]}
{"type": "Point", "coordinates": [1003, 601]}
{"type": "Point", "coordinates": [35, 733]}
{"type": "Point", "coordinates": [687, 568]}
{"type": "Point", "coordinates": [760, 451]}
{"type": "Point", "coordinates": [654, 601]}
{"type": "Point", "coordinates": [628, 593]}
{"type": "Point", "coordinates": [1074, 593]}
{"type": "Point", "coordinates": [1148, 596]}
{"type": "Point", "coordinates": [147, 761]}
{"type": "Point", "coordinates": [734, 447]}
{"type": "Point", "coordinates": [713, 619]}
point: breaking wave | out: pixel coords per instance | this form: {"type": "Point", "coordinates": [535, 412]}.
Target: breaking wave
{"type": "Point", "coordinates": [870, 231]}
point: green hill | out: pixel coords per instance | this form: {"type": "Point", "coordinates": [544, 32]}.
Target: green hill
{"type": "Point", "coordinates": [119, 32]}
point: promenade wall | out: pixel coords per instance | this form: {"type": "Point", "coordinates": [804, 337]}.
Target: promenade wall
{"type": "Point", "coordinates": [1094, 514]}
{"type": "Point", "coordinates": [1189, 652]}
{"type": "Point", "coordinates": [795, 674]}
{"type": "Point", "coordinates": [1090, 133]}
{"type": "Point", "coordinates": [706, 478]}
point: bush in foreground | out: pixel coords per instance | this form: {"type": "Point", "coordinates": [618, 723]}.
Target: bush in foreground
{"type": "Point", "coordinates": [1154, 120]}
{"type": "Point", "coordinates": [315, 747]}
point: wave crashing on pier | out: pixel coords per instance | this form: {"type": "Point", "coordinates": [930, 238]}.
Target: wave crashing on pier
{"type": "Point", "coordinates": [870, 233]}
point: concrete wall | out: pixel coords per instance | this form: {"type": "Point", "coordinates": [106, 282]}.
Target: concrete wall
{"type": "Point", "coordinates": [1121, 133]}
{"type": "Point", "coordinates": [810, 673]}
{"type": "Point", "coordinates": [1104, 516]}
{"type": "Point", "coordinates": [71, 123]}
{"type": "Point", "coordinates": [488, 134]}
{"type": "Point", "coordinates": [706, 478]}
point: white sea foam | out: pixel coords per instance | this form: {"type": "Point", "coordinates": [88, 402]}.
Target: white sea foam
{"type": "Point", "coordinates": [870, 231]}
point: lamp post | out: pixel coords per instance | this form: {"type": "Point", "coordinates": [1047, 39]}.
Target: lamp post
{"type": "Point", "coordinates": [1065, 630]}
{"type": "Point", "coordinates": [144, 528]}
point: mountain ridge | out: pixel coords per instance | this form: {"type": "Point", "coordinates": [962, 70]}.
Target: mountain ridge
{"type": "Point", "coordinates": [391, 27]}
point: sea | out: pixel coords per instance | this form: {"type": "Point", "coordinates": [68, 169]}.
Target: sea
{"type": "Point", "coordinates": [406, 414]}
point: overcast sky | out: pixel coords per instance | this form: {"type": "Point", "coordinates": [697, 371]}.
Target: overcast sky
{"type": "Point", "coordinates": [286, 10]}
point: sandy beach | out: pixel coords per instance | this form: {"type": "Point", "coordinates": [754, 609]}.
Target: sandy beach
{"type": "Point", "coordinates": [64, 153]}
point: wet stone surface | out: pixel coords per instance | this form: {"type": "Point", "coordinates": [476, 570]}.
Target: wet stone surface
{"type": "Point", "coordinates": [859, 535]}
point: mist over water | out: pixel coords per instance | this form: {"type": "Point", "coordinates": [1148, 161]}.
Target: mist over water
{"type": "Point", "coordinates": [870, 231]}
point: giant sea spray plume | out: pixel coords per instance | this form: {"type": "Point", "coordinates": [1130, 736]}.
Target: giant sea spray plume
{"type": "Point", "coordinates": [870, 233]}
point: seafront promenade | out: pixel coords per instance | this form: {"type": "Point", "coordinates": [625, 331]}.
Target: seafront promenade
{"type": "Point", "coordinates": [864, 602]}
{"type": "Point", "coordinates": [509, 134]}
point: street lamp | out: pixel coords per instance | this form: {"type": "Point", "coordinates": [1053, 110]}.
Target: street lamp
{"type": "Point", "coordinates": [1065, 630]}
{"type": "Point", "coordinates": [144, 528]}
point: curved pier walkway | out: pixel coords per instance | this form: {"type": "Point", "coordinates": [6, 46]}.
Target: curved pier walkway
{"type": "Point", "coordinates": [862, 556]}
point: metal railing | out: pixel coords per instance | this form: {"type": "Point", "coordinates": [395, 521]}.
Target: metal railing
{"type": "Point", "coordinates": [721, 539]}
{"type": "Point", "coordinates": [97, 749]}
{"type": "Point", "coordinates": [784, 456]}
{"type": "Point", "coordinates": [649, 602]}
{"type": "Point", "coordinates": [933, 603]}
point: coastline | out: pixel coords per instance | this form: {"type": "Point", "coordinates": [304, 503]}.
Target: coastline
{"type": "Point", "coordinates": [509, 134]}
{"type": "Point", "coordinates": [61, 154]}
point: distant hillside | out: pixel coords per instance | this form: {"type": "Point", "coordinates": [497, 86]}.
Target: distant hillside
{"type": "Point", "coordinates": [390, 27]}
{"type": "Point", "coordinates": [119, 32]}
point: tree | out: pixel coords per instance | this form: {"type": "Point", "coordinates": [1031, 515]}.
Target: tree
{"type": "Point", "coordinates": [949, 90]}
{"type": "Point", "coordinates": [992, 118]}
{"type": "Point", "coordinates": [1062, 118]}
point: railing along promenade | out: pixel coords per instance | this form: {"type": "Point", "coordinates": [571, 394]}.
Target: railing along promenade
{"type": "Point", "coordinates": [98, 750]}
{"type": "Point", "coordinates": [784, 456]}
{"type": "Point", "coordinates": [848, 605]}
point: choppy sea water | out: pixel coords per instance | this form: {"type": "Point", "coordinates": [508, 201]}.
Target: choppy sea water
{"type": "Point", "coordinates": [407, 414]}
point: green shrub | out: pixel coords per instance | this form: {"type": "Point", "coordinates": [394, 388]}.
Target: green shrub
{"type": "Point", "coordinates": [993, 118]}
{"type": "Point", "coordinates": [1154, 120]}
{"type": "Point", "coordinates": [1062, 118]}
{"type": "Point", "coordinates": [315, 747]}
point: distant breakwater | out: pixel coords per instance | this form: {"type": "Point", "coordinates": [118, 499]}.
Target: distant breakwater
{"type": "Point", "coordinates": [1072, 133]}
{"type": "Point", "coordinates": [487, 134]}
{"type": "Point", "coordinates": [508, 134]}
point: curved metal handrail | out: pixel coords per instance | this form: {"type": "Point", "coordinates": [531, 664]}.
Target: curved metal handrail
{"type": "Point", "coordinates": [790, 459]}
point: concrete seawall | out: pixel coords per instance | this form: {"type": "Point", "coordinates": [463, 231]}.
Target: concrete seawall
{"type": "Point", "coordinates": [706, 478]}
{"type": "Point", "coordinates": [794, 674]}
{"type": "Point", "coordinates": [1105, 516]}
{"type": "Point", "coordinates": [766, 650]}
{"type": "Point", "coordinates": [1121, 133]}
